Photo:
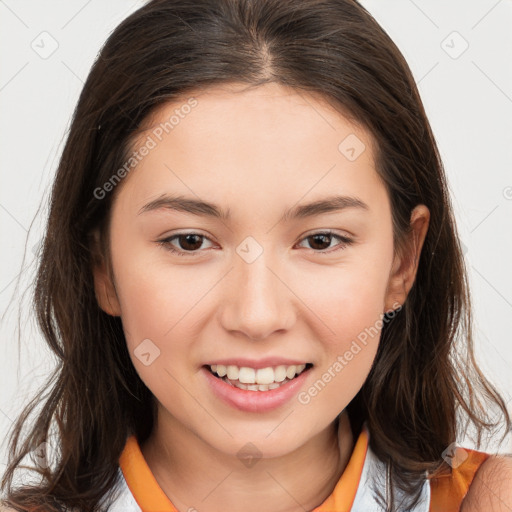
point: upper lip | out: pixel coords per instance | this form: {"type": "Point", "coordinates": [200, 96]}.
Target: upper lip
{"type": "Point", "coordinates": [260, 363]}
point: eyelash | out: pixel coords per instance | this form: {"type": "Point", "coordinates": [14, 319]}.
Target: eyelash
{"type": "Point", "coordinates": [166, 243]}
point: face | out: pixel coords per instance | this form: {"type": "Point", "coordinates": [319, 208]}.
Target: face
{"type": "Point", "coordinates": [270, 279]}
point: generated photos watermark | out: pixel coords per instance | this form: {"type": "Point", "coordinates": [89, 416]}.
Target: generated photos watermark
{"type": "Point", "coordinates": [150, 143]}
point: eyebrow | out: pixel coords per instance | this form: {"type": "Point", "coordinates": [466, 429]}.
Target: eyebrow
{"type": "Point", "coordinates": [206, 209]}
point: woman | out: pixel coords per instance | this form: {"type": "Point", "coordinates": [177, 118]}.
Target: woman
{"type": "Point", "coordinates": [305, 358]}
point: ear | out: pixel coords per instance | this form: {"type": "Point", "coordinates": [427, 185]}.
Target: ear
{"type": "Point", "coordinates": [103, 281]}
{"type": "Point", "coordinates": [405, 264]}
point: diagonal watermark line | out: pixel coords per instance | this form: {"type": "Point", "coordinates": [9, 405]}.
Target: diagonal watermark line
{"type": "Point", "coordinates": [417, 83]}
{"type": "Point", "coordinates": [200, 404]}
{"type": "Point", "coordinates": [217, 485]}
{"type": "Point", "coordinates": [6, 415]}
{"type": "Point", "coordinates": [14, 76]}
{"type": "Point", "coordinates": [424, 13]}
{"type": "Point", "coordinates": [280, 423]}
{"type": "Point", "coordinates": [332, 332]}
{"type": "Point", "coordinates": [307, 101]}
{"type": "Point", "coordinates": [72, 71]}
{"type": "Point", "coordinates": [198, 301]}
{"type": "Point", "coordinates": [484, 16]}
{"type": "Point", "coordinates": [13, 13]}
{"type": "Point", "coordinates": [76, 14]}
{"type": "Point", "coordinates": [484, 218]}
{"type": "Point", "coordinates": [496, 496]}
{"type": "Point", "coordinates": [492, 81]}
{"type": "Point", "coordinates": [13, 217]}
{"type": "Point", "coordinates": [487, 281]}
{"type": "Point", "coordinates": [286, 491]}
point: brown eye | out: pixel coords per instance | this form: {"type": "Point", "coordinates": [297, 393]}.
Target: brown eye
{"type": "Point", "coordinates": [321, 241]}
{"type": "Point", "coordinates": [188, 243]}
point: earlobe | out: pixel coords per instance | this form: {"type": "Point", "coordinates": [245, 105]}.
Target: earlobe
{"type": "Point", "coordinates": [106, 293]}
{"type": "Point", "coordinates": [405, 264]}
{"type": "Point", "coordinates": [103, 285]}
{"type": "Point", "coordinates": [396, 292]}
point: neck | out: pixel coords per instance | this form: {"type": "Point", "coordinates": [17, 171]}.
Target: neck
{"type": "Point", "coordinates": [194, 475]}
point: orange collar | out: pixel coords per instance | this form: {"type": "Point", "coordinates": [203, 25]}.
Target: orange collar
{"type": "Point", "coordinates": [141, 481]}
{"type": "Point", "coordinates": [343, 495]}
{"type": "Point", "coordinates": [151, 498]}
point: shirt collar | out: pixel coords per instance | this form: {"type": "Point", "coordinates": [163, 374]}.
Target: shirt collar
{"type": "Point", "coordinates": [151, 498]}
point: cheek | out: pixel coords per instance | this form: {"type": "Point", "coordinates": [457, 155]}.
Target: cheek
{"type": "Point", "coordinates": [157, 304]}
{"type": "Point", "coordinates": [157, 308]}
{"type": "Point", "coordinates": [347, 298]}
{"type": "Point", "coordinates": [154, 294]}
{"type": "Point", "coordinates": [349, 333]}
{"type": "Point", "coordinates": [346, 303]}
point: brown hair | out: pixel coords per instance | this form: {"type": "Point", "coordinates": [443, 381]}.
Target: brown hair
{"type": "Point", "coordinates": [424, 379]}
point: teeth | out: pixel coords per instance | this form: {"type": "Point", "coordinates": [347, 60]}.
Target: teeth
{"type": "Point", "coordinates": [220, 369]}
{"type": "Point", "coordinates": [290, 372]}
{"type": "Point", "coordinates": [280, 374]}
{"type": "Point", "coordinates": [245, 375]}
{"type": "Point", "coordinates": [262, 376]}
{"type": "Point", "coordinates": [254, 387]}
{"type": "Point", "coordinates": [232, 372]}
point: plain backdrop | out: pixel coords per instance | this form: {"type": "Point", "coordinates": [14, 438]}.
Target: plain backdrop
{"type": "Point", "coordinates": [460, 55]}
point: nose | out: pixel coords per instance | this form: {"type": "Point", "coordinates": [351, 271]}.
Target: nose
{"type": "Point", "coordinates": [257, 298]}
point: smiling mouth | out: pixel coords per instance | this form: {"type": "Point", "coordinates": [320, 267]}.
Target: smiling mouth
{"type": "Point", "coordinates": [264, 379]}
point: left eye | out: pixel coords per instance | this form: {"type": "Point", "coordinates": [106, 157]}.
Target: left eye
{"type": "Point", "coordinates": [321, 237]}
{"type": "Point", "coordinates": [191, 242]}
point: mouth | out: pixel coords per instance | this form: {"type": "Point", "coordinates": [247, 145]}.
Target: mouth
{"type": "Point", "coordinates": [261, 379]}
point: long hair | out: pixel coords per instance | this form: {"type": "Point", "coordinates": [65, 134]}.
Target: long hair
{"type": "Point", "coordinates": [424, 381]}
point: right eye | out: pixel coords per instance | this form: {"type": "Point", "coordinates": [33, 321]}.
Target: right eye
{"type": "Point", "coordinates": [190, 242]}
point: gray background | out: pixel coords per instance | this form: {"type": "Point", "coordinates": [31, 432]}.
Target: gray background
{"type": "Point", "coordinates": [47, 48]}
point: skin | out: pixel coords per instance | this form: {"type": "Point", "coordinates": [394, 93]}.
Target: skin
{"type": "Point", "coordinates": [491, 489]}
{"type": "Point", "coordinates": [257, 152]}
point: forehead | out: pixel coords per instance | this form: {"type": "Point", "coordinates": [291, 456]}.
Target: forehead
{"type": "Point", "coordinates": [262, 143]}
{"type": "Point", "coordinates": [264, 109]}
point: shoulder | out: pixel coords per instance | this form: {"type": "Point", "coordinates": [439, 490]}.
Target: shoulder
{"type": "Point", "coordinates": [491, 488]}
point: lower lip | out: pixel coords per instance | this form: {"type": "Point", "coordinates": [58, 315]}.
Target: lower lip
{"type": "Point", "coordinates": [255, 401]}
